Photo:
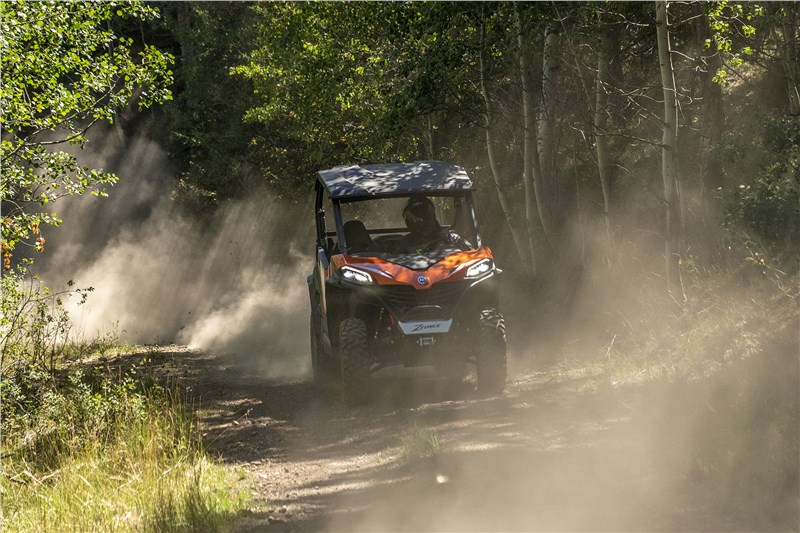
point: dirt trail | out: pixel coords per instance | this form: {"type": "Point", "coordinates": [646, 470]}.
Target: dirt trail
{"type": "Point", "coordinates": [550, 454]}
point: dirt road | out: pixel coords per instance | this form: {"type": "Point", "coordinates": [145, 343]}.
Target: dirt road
{"type": "Point", "coordinates": [553, 453]}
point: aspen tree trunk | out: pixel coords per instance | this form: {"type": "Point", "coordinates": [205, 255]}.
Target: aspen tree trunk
{"type": "Point", "coordinates": [184, 24]}
{"type": "Point", "coordinates": [525, 252]}
{"type": "Point", "coordinates": [431, 137]}
{"type": "Point", "coordinates": [549, 72]}
{"type": "Point", "coordinates": [530, 156]}
{"type": "Point", "coordinates": [600, 122]}
{"type": "Point", "coordinates": [542, 162]}
{"type": "Point", "coordinates": [669, 147]}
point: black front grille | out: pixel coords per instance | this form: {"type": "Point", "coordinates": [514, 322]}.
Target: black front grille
{"type": "Point", "coordinates": [400, 299]}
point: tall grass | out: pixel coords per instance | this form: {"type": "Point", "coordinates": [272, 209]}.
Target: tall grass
{"type": "Point", "coordinates": [723, 320]}
{"type": "Point", "coordinates": [87, 448]}
{"type": "Point", "coordinates": [99, 451]}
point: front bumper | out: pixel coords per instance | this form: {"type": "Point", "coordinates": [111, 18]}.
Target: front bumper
{"type": "Point", "coordinates": [446, 308]}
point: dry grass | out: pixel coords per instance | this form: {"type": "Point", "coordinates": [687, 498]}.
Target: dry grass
{"type": "Point", "coordinates": [99, 451]}
{"type": "Point", "coordinates": [721, 322]}
{"type": "Point", "coordinates": [419, 442]}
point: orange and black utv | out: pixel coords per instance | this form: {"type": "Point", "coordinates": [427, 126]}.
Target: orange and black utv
{"type": "Point", "coordinates": [401, 277]}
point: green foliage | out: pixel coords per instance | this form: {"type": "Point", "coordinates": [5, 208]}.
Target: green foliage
{"type": "Point", "coordinates": [354, 82]}
{"type": "Point", "coordinates": [64, 69]}
{"type": "Point", "coordinates": [764, 214]}
{"type": "Point", "coordinates": [46, 415]}
{"type": "Point", "coordinates": [206, 134]}
{"type": "Point", "coordinates": [320, 77]}
{"type": "Point", "coordinates": [34, 327]}
{"type": "Point", "coordinates": [318, 84]}
{"type": "Point", "coordinates": [732, 22]}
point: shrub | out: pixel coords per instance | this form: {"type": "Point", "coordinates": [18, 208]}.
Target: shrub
{"type": "Point", "coordinates": [763, 216]}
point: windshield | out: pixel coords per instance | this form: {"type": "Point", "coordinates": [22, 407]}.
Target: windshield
{"type": "Point", "coordinates": [429, 226]}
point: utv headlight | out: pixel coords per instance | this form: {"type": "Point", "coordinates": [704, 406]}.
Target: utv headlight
{"type": "Point", "coordinates": [353, 274]}
{"type": "Point", "coordinates": [480, 268]}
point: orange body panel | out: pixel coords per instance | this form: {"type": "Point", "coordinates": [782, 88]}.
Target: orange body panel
{"type": "Point", "coordinates": [451, 268]}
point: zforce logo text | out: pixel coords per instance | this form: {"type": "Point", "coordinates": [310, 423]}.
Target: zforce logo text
{"type": "Point", "coordinates": [420, 327]}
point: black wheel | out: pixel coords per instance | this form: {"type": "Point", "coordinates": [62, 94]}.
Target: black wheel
{"type": "Point", "coordinates": [355, 359]}
{"type": "Point", "coordinates": [320, 363]}
{"type": "Point", "coordinates": [491, 358]}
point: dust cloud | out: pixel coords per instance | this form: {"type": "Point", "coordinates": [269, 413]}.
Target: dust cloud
{"type": "Point", "coordinates": [623, 413]}
{"type": "Point", "coordinates": [233, 283]}
{"type": "Point", "coordinates": [583, 439]}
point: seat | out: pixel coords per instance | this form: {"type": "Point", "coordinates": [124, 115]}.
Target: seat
{"type": "Point", "coordinates": [357, 237]}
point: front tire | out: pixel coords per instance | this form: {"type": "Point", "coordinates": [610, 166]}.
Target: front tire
{"type": "Point", "coordinates": [355, 359]}
{"type": "Point", "coordinates": [491, 358]}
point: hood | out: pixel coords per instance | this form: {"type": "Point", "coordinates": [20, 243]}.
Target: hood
{"type": "Point", "coordinates": [414, 261]}
{"type": "Point", "coordinates": [388, 269]}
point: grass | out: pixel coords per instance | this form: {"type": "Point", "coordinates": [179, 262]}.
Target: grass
{"type": "Point", "coordinates": [90, 443]}
{"type": "Point", "coordinates": [96, 450]}
{"type": "Point", "coordinates": [417, 442]}
{"type": "Point", "coordinates": [720, 322]}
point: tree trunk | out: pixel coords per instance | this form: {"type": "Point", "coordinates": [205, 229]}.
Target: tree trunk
{"type": "Point", "coordinates": [525, 252]}
{"type": "Point", "coordinates": [549, 72]}
{"type": "Point", "coordinates": [542, 158]}
{"type": "Point", "coordinates": [530, 156]}
{"type": "Point", "coordinates": [431, 136]}
{"type": "Point", "coordinates": [669, 147]}
{"type": "Point", "coordinates": [600, 124]}
{"type": "Point", "coordinates": [790, 58]}
{"type": "Point", "coordinates": [184, 22]}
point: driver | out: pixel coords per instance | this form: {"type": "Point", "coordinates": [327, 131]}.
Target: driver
{"type": "Point", "coordinates": [419, 214]}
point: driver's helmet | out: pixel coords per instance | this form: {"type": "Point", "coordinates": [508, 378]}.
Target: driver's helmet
{"type": "Point", "coordinates": [419, 214]}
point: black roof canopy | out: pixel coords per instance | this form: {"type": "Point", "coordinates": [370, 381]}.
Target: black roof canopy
{"type": "Point", "coordinates": [394, 179]}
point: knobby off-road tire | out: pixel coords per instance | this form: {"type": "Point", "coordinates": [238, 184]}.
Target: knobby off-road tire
{"type": "Point", "coordinates": [355, 360]}
{"type": "Point", "coordinates": [320, 363]}
{"type": "Point", "coordinates": [491, 359]}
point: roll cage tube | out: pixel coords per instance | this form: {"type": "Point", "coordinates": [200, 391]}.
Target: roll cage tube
{"type": "Point", "coordinates": [472, 221]}
{"type": "Point", "coordinates": [322, 230]}
{"type": "Point", "coordinates": [337, 215]}
{"type": "Point", "coordinates": [320, 215]}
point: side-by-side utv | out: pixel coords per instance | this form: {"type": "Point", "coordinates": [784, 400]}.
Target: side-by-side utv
{"type": "Point", "coordinates": [401, 277]}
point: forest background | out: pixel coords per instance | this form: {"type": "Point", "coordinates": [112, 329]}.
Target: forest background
{"type": "Point", "coordinates": [636, 162]}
